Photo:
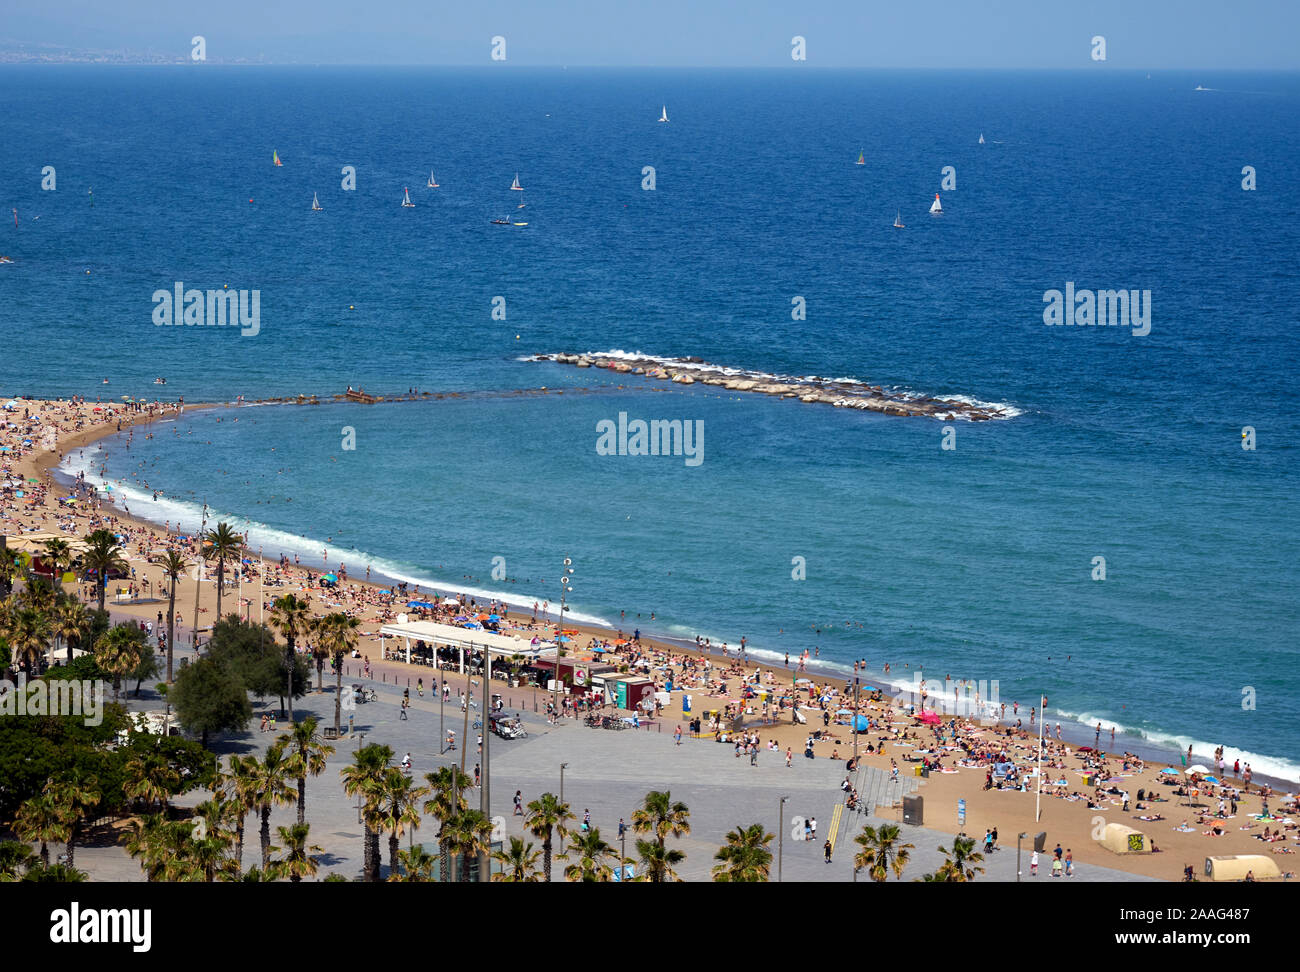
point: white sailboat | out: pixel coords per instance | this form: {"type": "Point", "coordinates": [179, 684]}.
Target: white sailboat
{"type": "Point", "coordinates": [981, 138]}
{"type": "Point", "coordinates": [898, 220]}
{"type": "Point", "coordinates": [664, 116]}
{"type": "Point", "coordinates": [315, 204]}
{"type": "Point", "coordinates": [433, 183]}
{"type": "Point", "coordinates": [515, 185]}
{"type": "Point", "coordinates": [521, 202]}
{"type": "Point", "coordinates": [406, 199]}
{"type": "Point", "coordinates": [935, 208]}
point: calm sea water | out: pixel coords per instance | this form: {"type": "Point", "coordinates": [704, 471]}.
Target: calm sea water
{"type": "Point", "coordinates": [976, 562]}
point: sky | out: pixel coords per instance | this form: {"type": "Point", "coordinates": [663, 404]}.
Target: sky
{"type": "Point", "coordinates": [991, 34]}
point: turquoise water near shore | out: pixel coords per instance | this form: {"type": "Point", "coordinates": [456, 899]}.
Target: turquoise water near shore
{"type": "Point", "coordinates": [975, 562]}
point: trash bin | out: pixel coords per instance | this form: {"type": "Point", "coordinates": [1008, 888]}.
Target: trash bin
{"type": "Point", "coordinates": [916, 770]}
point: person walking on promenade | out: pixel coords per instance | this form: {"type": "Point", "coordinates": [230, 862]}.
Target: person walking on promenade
{"type": "Point", "coordinates": [827, 848]}
{"type": "Point", "coordinates": [678, 735]}
{"type": "Point", "coordinates": [519, 803]}
{"type": "Point", "coordinates": [789, 754]}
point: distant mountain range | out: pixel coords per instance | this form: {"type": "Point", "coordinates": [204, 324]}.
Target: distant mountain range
{"type": "Point", "coordinates": [24, 52]}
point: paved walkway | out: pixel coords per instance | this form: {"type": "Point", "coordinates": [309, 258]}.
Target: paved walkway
{"type": "Point", "coordinates": [608, 773]}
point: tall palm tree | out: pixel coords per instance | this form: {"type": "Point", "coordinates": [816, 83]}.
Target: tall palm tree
{"type": "Point", "coordinates": [71, 622]}
{"type": "Point", "coordinates": [745, 856]}
{"type": "Point", "coordinates": [28, 632]}
{"type": "Point", "coordinates": [881, 852]}
{"type": "Point", "coordinates": [8, 571]}
{"type": "Point", "coordinates": [42, 819]}
{"type": "Point", "coordinates": [518, 863]}
{"type": "Point", "coordinates": [120, 652]}
{"type": "Point", "coordinates": [363, 779]}
{"type": "Point", "coordinates": [593, 858]}
{"type": "Point", "coordinates": [447, 786]}
{"type": "Point", "coordinates": [468, 834]}
{"type": "Point", "coordinates": [174, 567]}
{"type": "Point", "coordinates": [337, 634]}
{"type": "Point", "coordinates": [58, 555]}
{"type": "Point", "coordinates": [659, 861]}
{"type": "Point", "coordinates": [103, 555]}
{"type": "Point", "coordinates": [307, 755]}
{"type": "Point", "coordinates": [207, 851]}
{"type": "Point", "coordinates": [270, 778]}
{"type": "Point", "coordinates": [78, 794]}
{"type": "Point", "coordinates": [160, 845]}
{"type": "Point", "coordinates": [961, 862]}
{"type": "Point", "coordinates": [151, 778]}
{"type": "Point", "coordinates": [239, 787]}
{"type": "Point", "coordinates": [297, 862]}
{"type": "Point", "coordinates": [294, 619]}
{"type": "Point", "coordinates": [417, 865]}
{"type": "Point", "coordinates": [546, 815]}
{"type": "Point", "coordinates": [221, 544]}
{"type": "Point", "coordinates": [661, 815]}
{"type": "Point", "coordinates": [398, 808]}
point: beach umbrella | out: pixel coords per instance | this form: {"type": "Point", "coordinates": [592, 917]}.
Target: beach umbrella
{"type": "Point", "coordinates": [1212, 779]}
{"type": "Point", "coordinates": [870, 688]}
{"type": "Point", "coordinates": [930, 718]}
{"type": "Point", "coordinates": [803, 681]}
{"type": "Point", "coordinates": [493, 617]}
{"type": "Point", "coordinates": [1198, 768]}
{"type": "Point", "coordinates": [860, 723]}
{"type": "Point", "coordinates": [385, 591]}
{"type": "Point", "coordinates": [598, 650]}
{"type": "Point", "coordinates": [844, 712]}
{"type": "Point", "coordinates": [333, 578]}
{"type": "Point", "coordinates": [1169, 771]}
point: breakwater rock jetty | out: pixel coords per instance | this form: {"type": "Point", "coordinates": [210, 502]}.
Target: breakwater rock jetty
{"type": "Point", "coordinates": [837, 392]}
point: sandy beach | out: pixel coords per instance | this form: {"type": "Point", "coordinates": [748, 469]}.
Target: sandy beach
{"type": "Point", "coordinates": [962, 750]}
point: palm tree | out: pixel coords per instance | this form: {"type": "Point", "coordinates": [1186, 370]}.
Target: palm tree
{"type": "Point", "coordinates": [960, 863]}
{"type": "Point", "coordinates": [207, 852]}
{"type": "Point", "coordinates": [297, 862]}
{"type": "Point", "coordinates": [239, 787]}
{"type": "Point", "coordinates": [120, 652]}
{"type": "Point", "coordinates": [661, 815]}
{"type": "Point", "coordinates": [307, 754]}
{"type": "Point", "coordinates": [468, 834]}
{"type": "Point", "coordinates": [15, 858]}
{"type": "Point", "coordinates": [71, 622]}
{"type": "Point", "coordinates": [173, 566]}
{"type": "Point", "coordinates": [745, 856]}
{"type": "Point", "coordinates": [294, 619]}
{"type": "Point", "coordinates": [103, 555]}
{"type": "Point", "coordinates": [363, 778]}
{"type": "Point", "coordinates": [77, 794]}
{"type": "Point", "coordinates": [41, 818]}
{"type": "Point", "coordinates": [446, 791]}
{"type": "Point", "coordinates": [337, 635]}
{"type": "Point", "coordinates": [150, 777]}
{"type": "Point", "coordinates": [881, 852]}
{"type": "Point", "coordinates": [545, 815]}
{"type": "Point", "coordinates": [8, 570]}
{"type": "Point", "coordinates": [221, 543]}
{"type": "Point", "coordinates": [28, 632]}
{"type": "Point", "coordinates": [398, 807]}
{"type": "Point", "coordinates": [417, 865]}
{"type": "Point", "coordinates": [659, 861]}
{"type": "Point", "coordinates": [270, 779]}
{"type": "Point", "coordinates": [58, 554]}
{"type": "Point", "coordinates": [519, 863]}
{"type": "Point", "coordinates": [593, 857]}
{"type": "Point", "coordinates": [161, 846]}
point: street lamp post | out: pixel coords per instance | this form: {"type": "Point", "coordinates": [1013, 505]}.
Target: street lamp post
{"type": "Point", "coordinates": [854, 727]}
{"type": "Point", "coordinates": [780, 839]}
{"type": "Point", "coordinates": [1019, 838]}
{"type": "Point", "coordinates": [485, 792]}
{"type": "Point", "coordinates": [565, 590]}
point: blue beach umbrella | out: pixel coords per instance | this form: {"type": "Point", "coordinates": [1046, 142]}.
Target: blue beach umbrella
{"type": "Point", "coordinates": [1211, 779]}
{"type": "Point", "coordinates": [385, 591]}
{"type": "Point", "coordinates": [860, 723]}
{"type": "Point", "coordinates": [419, 604]}
{"type": "Point", "coordinates": [493, 617]}
{"type": "Point", "coordinates": [331, 578]}
{"type": "Point", "coordinates": [1169, 771]}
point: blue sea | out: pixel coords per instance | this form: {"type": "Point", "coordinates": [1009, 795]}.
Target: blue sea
{"type": "Point", "coordinates": [976, 561]}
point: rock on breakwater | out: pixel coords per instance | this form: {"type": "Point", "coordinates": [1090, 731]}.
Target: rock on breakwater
{"type": "Point", "coordinates": [839, 393]}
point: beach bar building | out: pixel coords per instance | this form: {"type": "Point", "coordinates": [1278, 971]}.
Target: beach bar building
{"type": "Point", "coordinates": [500, 647]}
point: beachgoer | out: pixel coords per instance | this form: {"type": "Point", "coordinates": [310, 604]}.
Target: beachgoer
{"type": "Point", "coordinates": [1033, 865]}
{"type": "Point", "coordinates": [827, 848]}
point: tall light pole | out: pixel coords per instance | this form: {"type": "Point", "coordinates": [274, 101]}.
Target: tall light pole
{"type": "Point", "coordinates": [198, 582]}
{"type": "Point", "coordinates": [780, 839]}
{"type": "Point", "coordinates": [1019, 838]}
{"type": "Point", "coordinates": [565, 590]}
{"type": "Point", "coordinates": [854, 727]}
{"type": "Point", "coordinates": [485, 793]}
